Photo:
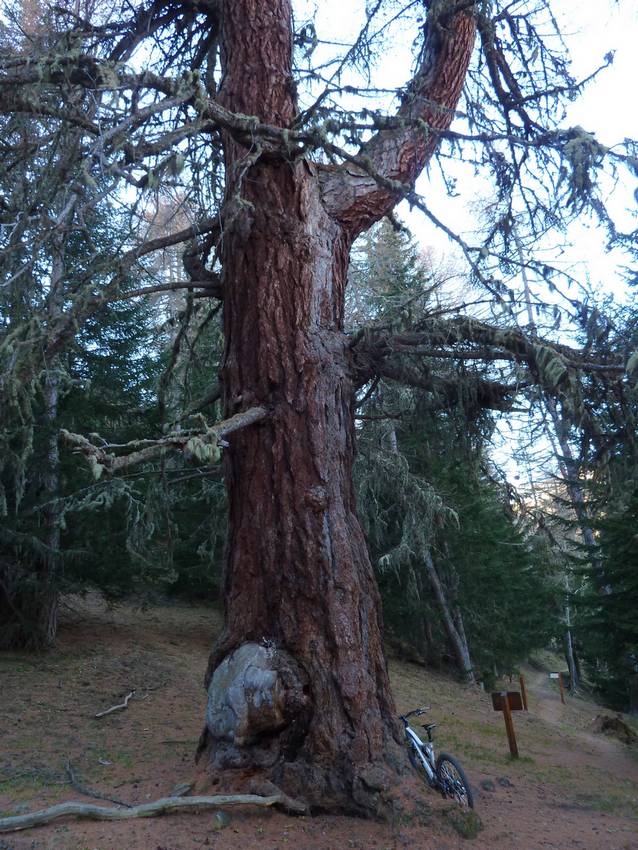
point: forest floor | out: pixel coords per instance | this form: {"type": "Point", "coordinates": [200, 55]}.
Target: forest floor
{"type": "Point", "coordinates": [570, 788]}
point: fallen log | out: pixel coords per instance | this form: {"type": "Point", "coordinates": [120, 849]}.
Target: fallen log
{"type": "Point", "coordinates": [145, 810]}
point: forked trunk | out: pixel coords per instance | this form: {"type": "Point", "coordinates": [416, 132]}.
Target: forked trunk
{"type": "Point", "coordinates": [298, 686]}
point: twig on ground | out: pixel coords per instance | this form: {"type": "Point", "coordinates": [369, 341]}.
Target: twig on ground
{"type": "Point", "coordinates": [120, 707]}
{"type": "Point", "coordinates": [158, 807]}
{"type": "Point", "coordinates": [82, 789]}
{"type": "Point", "coordinates": [190, 742]}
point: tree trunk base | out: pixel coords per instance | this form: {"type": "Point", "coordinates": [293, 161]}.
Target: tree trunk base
{"type": "Point", "coordinates": [261, 733]}
{"type": "Point", "coordinates": [28, 609]}
{"type": "Point", "coordinates": [369, 791]}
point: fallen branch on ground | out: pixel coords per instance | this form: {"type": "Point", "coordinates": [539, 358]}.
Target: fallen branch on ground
{"type": "Point", "coordinates": [159, 807]}
{"type": "Point", "coordinates": [75, 783]}
{"type": "Point", "coordinates": [119, 707]}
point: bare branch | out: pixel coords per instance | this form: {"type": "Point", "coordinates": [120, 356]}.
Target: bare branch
{"type": "Point", "coordinates": [102, 460]}
{"type": "Point", "coordinates": [159, 807]}
{"type": "Point", "coordinates": [399, 154]}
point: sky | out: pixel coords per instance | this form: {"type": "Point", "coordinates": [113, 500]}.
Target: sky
{"type": "Point", "coordinates": [606, 107]}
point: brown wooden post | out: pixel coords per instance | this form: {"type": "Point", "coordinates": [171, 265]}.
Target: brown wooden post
{"type": "Point", "coordinates": [521, 679]}
{"type": "Point", "coordinates": [562, 688]}
{"type": "Point", "coordinates": [509, 726]}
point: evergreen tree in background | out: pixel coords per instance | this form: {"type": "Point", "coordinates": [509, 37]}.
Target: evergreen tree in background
{"type": "Point", "coordinates": [606, 601]}
{"type": "Point", "coordinates": [608, 625]}
{"type": "Point", "coordinates": [461, 582]}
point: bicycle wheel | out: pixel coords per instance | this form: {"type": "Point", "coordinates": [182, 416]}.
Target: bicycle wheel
{"type": "Point", "coordinates": [452, 780]}
{"type": "Point", "coordinates": [417, 764]}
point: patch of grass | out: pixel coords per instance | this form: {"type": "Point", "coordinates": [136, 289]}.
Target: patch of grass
{"type": "Point", "coordinates": [27, 782]}
{"type": "Point", "coordinates": [99, 755]}
{"type": "Point", "coordinates": [545, 660]}
{"type": "Point", "coordinates": [26, 743]}
{"type": "Point", "coordinates": [125, 759]}
{"type": "Point", "coordinates": [16, 668]}
{"type": "Point", "coordinates": [520, 759]}
{"type": "Point", "coordinates": [480, 754]}
{"type": "Point", "coordinates": [465, 822]}
{"type": "Point", "coordinates": [605, 803]}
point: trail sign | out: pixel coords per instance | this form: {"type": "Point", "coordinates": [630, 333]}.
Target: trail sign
{"type": "Point", "coordinates": [559, 676]}
{"type": "Point", "coordinates": [521, 679]}
{"type": "Point", "coordinates": [513, 697]}
{"type": "Point", "coordinates": [508, 701]}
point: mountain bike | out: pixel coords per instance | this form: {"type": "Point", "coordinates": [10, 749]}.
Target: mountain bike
{"type": "Point", "coordinates": [443, 773]}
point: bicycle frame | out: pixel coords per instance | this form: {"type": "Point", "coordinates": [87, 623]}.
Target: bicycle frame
{"type": "Point", "coordinates": [424, 751]}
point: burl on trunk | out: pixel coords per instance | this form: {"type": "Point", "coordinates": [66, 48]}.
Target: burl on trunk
{"type": "Point", "coordinates": [298, 685]}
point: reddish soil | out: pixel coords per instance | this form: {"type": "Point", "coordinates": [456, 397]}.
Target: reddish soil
{"type": "Point", "coordinates": [570, 788]}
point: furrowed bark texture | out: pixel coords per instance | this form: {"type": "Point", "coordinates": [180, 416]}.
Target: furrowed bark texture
{"type": "Point", "coordinates": [298, 685]}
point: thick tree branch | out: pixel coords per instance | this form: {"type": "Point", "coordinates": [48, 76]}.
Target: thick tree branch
{"type": "Point", "coordinates": [202, 444]}
{"type": "Point", "coordinates": [399, 154]}
{"type": "Point", "coordinates": [158, 807]}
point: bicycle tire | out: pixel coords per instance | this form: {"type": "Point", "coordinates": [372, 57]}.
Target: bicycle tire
{"type": "Point", "coordinates": [452, 781]}
{"type": "Point", "coordinates": [417, 764]}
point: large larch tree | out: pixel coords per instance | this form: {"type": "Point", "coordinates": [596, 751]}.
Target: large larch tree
{"type": "Point", "coordinates": [298, 687]}
{"type": "Point", "coordinates": [298, 582]}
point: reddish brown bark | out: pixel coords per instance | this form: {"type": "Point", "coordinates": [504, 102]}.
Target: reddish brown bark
{"type": "Point", "coordinates": [301, 599]}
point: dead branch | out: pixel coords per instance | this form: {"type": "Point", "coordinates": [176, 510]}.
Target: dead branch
{"type": "Point", "coordinates": [102, 460]}
{"type": "Point", "coordinates": [119, 707]}
{"type": "Point", "coordinates": [158, 807]}
{"type": "Point", "coordinates": [75, 783]}
{"type": "Point", "coordinates": [204, 287]}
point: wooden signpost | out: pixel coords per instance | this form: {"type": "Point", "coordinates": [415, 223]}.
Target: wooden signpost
{"type": "Point", "coordinates": [507, 702]}
{"type": "Point", "coordinates": [560, 685]}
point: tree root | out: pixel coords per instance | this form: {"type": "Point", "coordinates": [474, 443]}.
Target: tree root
{"type": "Point", "coordinates": [158, 807]}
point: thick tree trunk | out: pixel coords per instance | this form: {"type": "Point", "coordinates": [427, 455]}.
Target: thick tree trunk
{"type": "Point", "coordinates": [298, 579]}
{"type": "Point", "coordinates": [298, 686]}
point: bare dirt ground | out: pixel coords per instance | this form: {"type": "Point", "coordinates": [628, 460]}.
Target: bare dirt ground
{"type": "Point", "coordinates": [570, 788]}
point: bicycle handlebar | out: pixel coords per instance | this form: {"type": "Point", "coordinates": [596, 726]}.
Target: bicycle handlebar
{"type": "Point", "coordinates": [414, 713]}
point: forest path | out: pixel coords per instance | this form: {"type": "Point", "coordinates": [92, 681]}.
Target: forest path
{"type": "Point", "coordinates": [579, 713]}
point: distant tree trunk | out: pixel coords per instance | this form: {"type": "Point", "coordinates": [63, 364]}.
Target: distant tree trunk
{"type": "Point", "coordinates": [50, 573]}
{"type": "Point", "coordinates": [452, 623]}
{"type": "Point", "coordinates": [570, 652]}
{"type": "Point", "coordinates": [570, 657]}
{"type": "Point", "coordinates": [47, 616]}
{"type": "Point", "coordinates": [298, 687]}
